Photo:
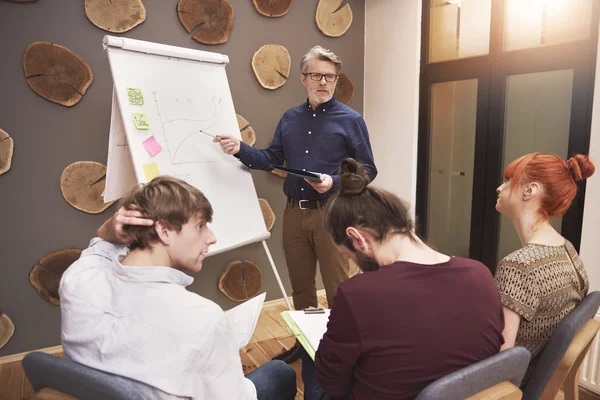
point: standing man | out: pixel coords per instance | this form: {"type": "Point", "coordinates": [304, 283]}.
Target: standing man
{"type": "Point", "coordinates": [314, 136]}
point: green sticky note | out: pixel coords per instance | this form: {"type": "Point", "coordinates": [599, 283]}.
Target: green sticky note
{"type": "Point", "coordinates": [151, 171]}
{"type": "Point", "coordinates": [141, 121]}
{"type": "Point", "coordinates": [135, 96]}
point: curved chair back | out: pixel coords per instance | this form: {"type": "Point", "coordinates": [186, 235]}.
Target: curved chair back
{"type": "Point", "coordinates": [70, 378]}
{"type": "Point", "coordinates": [565, 351]}
{"type": "Point", "coordinates": [507, 366]}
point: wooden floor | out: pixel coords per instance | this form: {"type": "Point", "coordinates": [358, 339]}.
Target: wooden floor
{"type": "Point", "coordinates": [270, 338]}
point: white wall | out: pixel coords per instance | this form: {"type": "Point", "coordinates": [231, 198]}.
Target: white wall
{"type": "Point", "coordinates": [590, 234]}
{"type": "Point", "coordinates": [392, 57]}
{"type": "Point", "coordinates": [391, 85]}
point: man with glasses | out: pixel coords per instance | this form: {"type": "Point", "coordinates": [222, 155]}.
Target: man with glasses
{"type": "Point", "coordinates": [315, 136]}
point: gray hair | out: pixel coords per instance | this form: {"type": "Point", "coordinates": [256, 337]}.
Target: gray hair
{"type": "Point", "coordinates": [322, 54]}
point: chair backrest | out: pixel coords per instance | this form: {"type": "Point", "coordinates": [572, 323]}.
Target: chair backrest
{"type": "Point", "coordinates": [71, 378]}
{"type": "Point", "coordinates": [507, 366]}
{"type": "Point", "coordinates": [558, 344]}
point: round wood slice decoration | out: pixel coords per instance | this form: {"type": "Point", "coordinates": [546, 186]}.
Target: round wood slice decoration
{"type": "Point", "coordinates": [331, 22]}
{"type": "Point", "coordinates": [82, 184]}
{"type": "Point", "coordinates": [209, 21]}
{"type": "Point", "coordinates": [271, 65]}
{"type": "Point", "coordinates": [7, 145]}
{"type": "Point", "coordinates": [45, 275]}
{"type": "Point", "coordinates": [268, 214]}
{"type": "Point", "coordinates": [344, 90]}
{"type": "Point", "coordinates": [248, 134]}
{"type": "Point", "coordinates": [115, 15]}
{"type": "Point", "coordinates": [7, 329]}
{"type": "Point", "coordinates": [56, 73]}
{"type": "Point", "coordinates": [272, 8]}
{"type": "Point", "coordinates": [241, 280]}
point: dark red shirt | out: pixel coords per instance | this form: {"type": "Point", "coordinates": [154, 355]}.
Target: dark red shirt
{"type": "Point", "coordinates": [393, 331]}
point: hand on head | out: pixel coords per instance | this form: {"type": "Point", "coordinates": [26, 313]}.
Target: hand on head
{"type": "Point", "coordinates": [128, 217]}
{"type": "Point", "coordinates": [229, 144]}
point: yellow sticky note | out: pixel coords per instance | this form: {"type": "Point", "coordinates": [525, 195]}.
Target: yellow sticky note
{"type": "Point", "coordinates": [141, 121]}
{"type": "Point", "coordinates": [151, 171]}
{"type": "Point", "coordinates": [135, 96]}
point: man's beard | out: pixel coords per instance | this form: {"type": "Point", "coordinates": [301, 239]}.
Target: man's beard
{"type": "Point", "coordinates": [366, 263]}
{"type": "Point", "coordinates": [314, 97]}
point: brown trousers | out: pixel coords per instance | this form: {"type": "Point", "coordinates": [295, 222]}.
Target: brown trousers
{"type": "Point", "coordinates": [305, 242]}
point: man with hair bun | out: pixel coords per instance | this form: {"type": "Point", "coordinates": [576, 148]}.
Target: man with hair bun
{"type": "Point", "coordinates": [543, 281]}
{"type": "Point", "coordinates": [413, 316]}
{"type": "Point", "coordinates": [125, 308]}
{"type": "Point", "coordinates": [314, 136]}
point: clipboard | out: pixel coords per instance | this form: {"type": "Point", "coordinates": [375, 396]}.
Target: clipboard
{"type": "Point", "coordinates": [308, 328]}
{"type": "Point", "coordinates": [311, 176]}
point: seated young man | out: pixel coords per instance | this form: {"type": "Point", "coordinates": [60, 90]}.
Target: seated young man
{"type": "Point", "coordinates": [126, 310]}
{"type": "Point", "coordinates": [413, 316]}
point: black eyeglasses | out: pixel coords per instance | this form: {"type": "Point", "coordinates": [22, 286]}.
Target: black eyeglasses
{"type": "Point", "coordinates": [315, 76]}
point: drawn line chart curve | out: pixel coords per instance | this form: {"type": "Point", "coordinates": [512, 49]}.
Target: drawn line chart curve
{"type": "Point", "coordinates": [188, 139]}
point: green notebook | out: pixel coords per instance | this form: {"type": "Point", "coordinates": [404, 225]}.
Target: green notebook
{"type": "Point", "coordinates": [308, 328]}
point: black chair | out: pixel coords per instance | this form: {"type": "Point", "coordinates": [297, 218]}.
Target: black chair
{"type": "Point", "coordinates": [49, 375]}
{"type": "Point", "coordinates": [500, 374]}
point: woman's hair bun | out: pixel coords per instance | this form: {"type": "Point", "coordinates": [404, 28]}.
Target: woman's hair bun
{"type": "Point", "coordinates": [353, 179]}
{"type": "Point", "coordinates": [581, 167]}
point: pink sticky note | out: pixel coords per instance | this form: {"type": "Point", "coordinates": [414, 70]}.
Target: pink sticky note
{"type": "Point", "coordinates": [152, 145]}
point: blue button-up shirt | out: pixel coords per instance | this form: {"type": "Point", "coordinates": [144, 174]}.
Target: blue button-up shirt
{"type": "Point", "coordinates": [314, 140]}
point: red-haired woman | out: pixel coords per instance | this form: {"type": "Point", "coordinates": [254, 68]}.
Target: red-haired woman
{"type": "Point", "coordinates": [543, 281]}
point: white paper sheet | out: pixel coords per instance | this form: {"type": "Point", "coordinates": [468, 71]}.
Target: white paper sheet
{"type": "Point", "coordinates": [312, 326]}
{"type": "Point", "coordinates": [243, 318]}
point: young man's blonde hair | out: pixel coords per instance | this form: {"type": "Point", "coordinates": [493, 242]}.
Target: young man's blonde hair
{"type": "Point", "coordinates": [168, 200]}
{"type": "Point", "coordinates": [322, 54]}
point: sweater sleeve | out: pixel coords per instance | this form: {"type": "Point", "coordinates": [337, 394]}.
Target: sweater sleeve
{"type": "Point", "coordinates": [339, 349]}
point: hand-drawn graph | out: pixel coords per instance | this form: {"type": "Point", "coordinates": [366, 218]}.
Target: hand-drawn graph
{"type": "Point", "coordinates": [189, 128]}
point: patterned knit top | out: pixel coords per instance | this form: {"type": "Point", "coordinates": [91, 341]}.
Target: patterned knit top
{"type": "Point", "coordinates": [542, 284]}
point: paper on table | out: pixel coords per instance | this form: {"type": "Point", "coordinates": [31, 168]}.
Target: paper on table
{"type": "Point", "coordinates": [243, 318]}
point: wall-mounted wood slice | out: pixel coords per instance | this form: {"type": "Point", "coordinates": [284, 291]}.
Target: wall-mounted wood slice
{"type": "Point", "coordinates": [45, 275]}
{"type": "Point", "coordinates": [272, 8]}
{"type": "Point", "coordinates": [115, 15]}
{"type": "Point", "coordinates": [344, 90]}
{"type": "Point", "coordinates": [241, 280]}
{"type": "Point", "coordinates": [271, 65]}
{"type": "Point", "coordinates": [209, 21]}
{"type": "Point", "coordinates": [268, 214]}
{"type": "Point", "coordinates": [7, 145]}
{"type": "Point", "coordinates": [331, 21]}
{"type": "Point", "coordinates": [7, 329]}
{"type": "Point", "coordinates": [279, 173]}
{"type": "Point", "coordinates": [82, 184]}
{"type": "Point", "coordinates": [248, 134]}
{"type": "Point", "coordinates": [56, 73]}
